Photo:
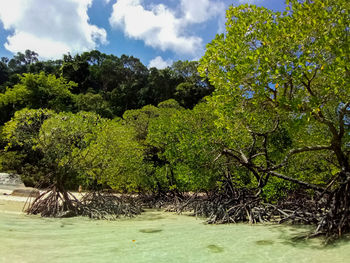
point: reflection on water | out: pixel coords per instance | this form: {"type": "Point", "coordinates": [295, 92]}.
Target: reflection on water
{"type": "Point", "coordinates": [157, 236]}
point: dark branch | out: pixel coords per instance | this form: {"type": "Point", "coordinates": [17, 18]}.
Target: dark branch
{"type": "Point", "coordinates": [341, 119]}
{"type": "Point", "coordinates": [296, 151]}
{"type": "Point", "coordinates": [303, 184]}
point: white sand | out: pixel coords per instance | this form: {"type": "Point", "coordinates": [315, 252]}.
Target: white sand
{"type": "Point", "coordinates": [5, 193]}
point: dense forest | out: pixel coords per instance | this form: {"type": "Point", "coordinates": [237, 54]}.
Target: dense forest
{"type": "Point", "coordinates": [257, 130]}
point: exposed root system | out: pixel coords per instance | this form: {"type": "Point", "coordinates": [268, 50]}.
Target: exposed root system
{"type": "Point", "coordinates": [336, 221]}
{"type": "Point", "coordinates": [55, 202]}
{"type": "Point", "coordinates": [244, 206]}
{"type": "Point", "coordinates": [105, 205]}
{"type": "Point", "coordinates": [331, 213]}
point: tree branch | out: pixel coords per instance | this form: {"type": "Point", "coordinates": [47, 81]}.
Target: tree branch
{"type": "Point", "coordinates": [243, 160]}
{"type": "Point", "coordinates": [304, 184]}
{"type": "Point", "coordinates": [341, 119]}
{"type": "Point", "coordinates": [296, 151]}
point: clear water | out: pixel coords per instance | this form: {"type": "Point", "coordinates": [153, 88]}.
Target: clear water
{"type": "Point", "coordinates": [156, 237]}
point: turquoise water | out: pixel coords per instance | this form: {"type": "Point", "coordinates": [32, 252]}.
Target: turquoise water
{"type": "Point", "coordinates": [156, 237]}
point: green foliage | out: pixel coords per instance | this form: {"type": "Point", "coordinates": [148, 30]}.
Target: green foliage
{"type": "Point", "coordinates": [160, 86]}
{"type": "Point", "coordinates": [139, 120]}
{"type": "Point", "coordinates": [20, 135]}
{"type": "Point", "coordinates": [187, 94]}
{"type": "Point", "coordinates": [62, 138]}
{"type": "Point", "coordinates": [70, 149]}
{"type": "Point", "coordinates": [118, 83]}
{"type": "Point", "coordinates": [11, 161]}
{"type": "Point", "coordinates": [114, 158]}
{"type": "Point", "coordinates": [159, 173]}
{"type": "Point", "coordinates": [4, 73]}
{"type": "Point", "coordinates": [23, 129]}
{"type": "Point", "coordinates": [277, 189]}
{"type": "Point", "coordinates": [93, 103]}
{"type": "Point", "coordinates": [39, 91]}
{"type": "Point", "coordinates": [280, 49]}
{"type": "Point", "coordinates": [192, 87]}
{"type": "Point", "coordinates": [76, 70]}
{"type": "Point", "coordinates": [170, 104]}
{"type": "Point", "coordinates": [185, 145]}
{"type": "Point", "coordinates": [271, 68]}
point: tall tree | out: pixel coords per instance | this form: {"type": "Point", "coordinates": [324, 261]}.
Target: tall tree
{"type": "Point", "coordinates": [192, 87]}
{"type": "Point", "coordinates": [37, 91]}
{"type": "Point", "coordinates": [276, 71]}
{"type": "Point", "coordinates": [20, 62]}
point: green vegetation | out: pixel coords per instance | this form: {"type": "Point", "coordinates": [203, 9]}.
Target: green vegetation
{"type": "Point", "coordinates": [262, 129]}
{"type": "Point", "coordinates": [282, 90]}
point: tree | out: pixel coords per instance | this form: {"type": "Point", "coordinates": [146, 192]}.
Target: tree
{"type": "Point", "coordinates": [186, 143]}
{"type": "Point", "coordinates": [23, 129]}
{"type": "Point", "coordinates": [115, 158]}
{"type": "Point", "coordinates": [4, 72]}
{"type": "Point", "coordinates": [189, 94]}
{"type": "Point", "coordinates": [38, 91]}
{"type": "Point", "coordinates": [139, 120]}
{"type": "Point", "coordinates": [160, 86]}
{"type": "Point", "coordinates": [93, 103]}
{"type": "Point", "coordinates": [276, 71]}
{"type": "Point", "coordinates": [62, 141]}
{"type": "Point", "coordinates": [66, 150]}
{"type": "Point", "coordinates": [20, 62]}
{"type": "Point", "coordinates": [76, 70]}
{"type": "Point", "coordinates": [48, 66]}
{"type": "Point", "coordinates": [192, 87]}
{"type": "Point", "coordinates": [160, 174]}
{"type": "Point", "coordinates": [20, 135]}
{"type": "Point", "coordinates": [159, 140]}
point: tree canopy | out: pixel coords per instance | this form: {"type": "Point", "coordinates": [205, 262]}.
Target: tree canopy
{"type": "Point", "coordinates": [279, 76]}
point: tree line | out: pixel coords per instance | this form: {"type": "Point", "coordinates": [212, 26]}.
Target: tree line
{"type": "Point", "coordinates": [272, 138]}
{"type": "Point", "coordinates": [96, 82]}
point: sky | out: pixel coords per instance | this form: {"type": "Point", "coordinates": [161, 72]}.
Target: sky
{"type": "Point", "coordinates": [156, 32]}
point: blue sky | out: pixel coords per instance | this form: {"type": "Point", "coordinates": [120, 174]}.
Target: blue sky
{"type": "Point", "coordinates": [157, 32]}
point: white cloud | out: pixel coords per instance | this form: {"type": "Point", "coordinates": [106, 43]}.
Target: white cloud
{"type": "Point", "coordinates": [199, 11]}
{"type": "Point", "coordinates": [50, 28]}
{"type": "Point", "coordinates": [159, 27]}
{"type": "Point", "coordinates": [159, 63]}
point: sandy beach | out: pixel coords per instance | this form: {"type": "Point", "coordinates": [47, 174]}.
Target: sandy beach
{"type": "Point", "coordinates": [9, 203]}
{"type": "Point", "coordinates": [11, 206]}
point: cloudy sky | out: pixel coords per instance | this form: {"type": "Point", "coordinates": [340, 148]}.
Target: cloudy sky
{"type": "Point", "coordinates": [157, 32]}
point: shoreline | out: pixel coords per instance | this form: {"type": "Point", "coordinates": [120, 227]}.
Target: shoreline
{"type": "Point", "coordinates": [15, 204]}
{"type": "Point", "coordinates": [12, 204]}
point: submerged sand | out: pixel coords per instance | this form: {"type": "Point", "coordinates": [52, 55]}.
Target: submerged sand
{"type": "Point", "coordinates": [10, 206]}
{"type": "Point", "coordinates": [9, 203]}
{"type": "Point", "coordinates": [154, 236]}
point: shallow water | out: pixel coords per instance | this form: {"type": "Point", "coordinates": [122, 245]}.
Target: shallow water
{"type": "Point", "coordinates": [156, 236]}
